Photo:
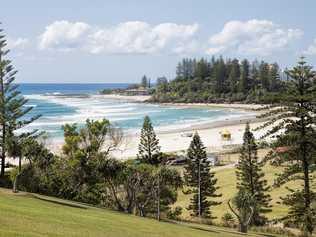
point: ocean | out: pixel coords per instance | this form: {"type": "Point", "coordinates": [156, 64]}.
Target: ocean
{"type": "Point", "coordinates": [57, 110]}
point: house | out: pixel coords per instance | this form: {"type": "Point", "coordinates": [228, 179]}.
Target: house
{"type": "Point", "coordinates": [137, 91]}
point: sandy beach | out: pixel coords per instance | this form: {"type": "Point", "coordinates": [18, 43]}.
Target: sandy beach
{"type": "Point", "coordinates": [175, 140]}
{"type": "Point", "coordinates": [137, 98]}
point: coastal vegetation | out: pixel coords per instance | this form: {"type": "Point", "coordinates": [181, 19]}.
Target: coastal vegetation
{"type": "Point", "coordinates": [142, 88]}
{"type": "Point", "coordinates": [201, 181]}
{"type": "Point", "coordinates": [222, 81]}
{"type": "Point", "coordinates": [250, 179]}
{"type": "Point", "coordinates": [12, 113]}
{"type": "Point", "coordinates": [297, 117]}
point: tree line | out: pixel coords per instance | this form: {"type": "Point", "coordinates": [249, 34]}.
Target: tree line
{"type": "Point", "coordinates": [147, 186]}
{"type": "Point", "coordinates": [219, 80]}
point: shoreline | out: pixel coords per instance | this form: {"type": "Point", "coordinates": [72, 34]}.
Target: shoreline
{"type": "Point", "coordinates": [144, 98]}
{"type": "Point", "coordinates": [174, 139]}
{"type": "Point", "coordinates": [133, 98]}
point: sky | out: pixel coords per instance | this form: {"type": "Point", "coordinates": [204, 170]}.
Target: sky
{"type": "Point", "coordinates": [116, 41]}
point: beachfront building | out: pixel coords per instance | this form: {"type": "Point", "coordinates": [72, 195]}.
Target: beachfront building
{"type": "Point", "coordinates": [137, 91]}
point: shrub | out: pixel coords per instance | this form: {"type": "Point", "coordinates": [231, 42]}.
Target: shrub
{"type": "Point", "coordinates": [273, 230]}
{"type": "Point", "coordinates": [175, 214]}
{"type": "Point", "coordinates": [228, 220]}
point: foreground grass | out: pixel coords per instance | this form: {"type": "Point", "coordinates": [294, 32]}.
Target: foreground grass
{"type": "Point", "coordinates": [29, 215]}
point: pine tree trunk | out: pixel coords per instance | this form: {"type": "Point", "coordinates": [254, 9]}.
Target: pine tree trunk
{"type": "Point", "coordinates": [15, 184]}
{"type": "Point", "coordinates": [20, 165]}
{"type": "Point", "coordinates": [158, 198]}
{"type": "Point", "coordinates": [3, 151]}
{"type": "Point", "coordinates": [307, 194]}
{"type": "Point", "coordinates": [16, 180]}
{"type": "Point", "coordinates": [2, 164]}
{"type": "Point", "coordinates": [199, 190]}
{"type": "Point", "coordinates": [243, 228]}
{"type": "Point", "coordinates": [3, 122]}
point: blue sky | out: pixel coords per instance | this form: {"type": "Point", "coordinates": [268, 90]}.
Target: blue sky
{"type": "Point", "coordinates": [119, 41]}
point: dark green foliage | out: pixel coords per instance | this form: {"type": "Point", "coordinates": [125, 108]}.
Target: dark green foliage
{"type": "Point", "coordinates": [175, 213]}
{"type": "Point", "coordinates": [132, 187]}
{"type": "Point", "coordinates": [243, 206]}
{"type": "Point", "coordinates": [274, 78]}
{"type": "Point", "coordinates": [34, 176]}
{"type": "Point", "coordinates": [74, 175]}
{"type": "Point", "coordinates": [250, 177]}
{"type": "Point", "coordinates": [234, 74]}
{"type": "Point", "coordinates": [244, 84]}
{"type": "Point", "coordinates": [264, 76]}
{"type": "Point", "coordinates": [145, 82]}
{"type": "Point", "coordinates": [218, 80]}
{"type": "Point", "coordinates": [12, 109]}
{"type": "Point", "coordinates": [200, 180]}
{"type": "Point", "coordinates": [148, 148]}
{"type": "Point", "coordinates": [85, 172]}
{"type": "Point", "coordinates": [293, 129]}
{"type": "Point", "coordinates": [84, 149]}
{"type": "Point", "coordinates": [228, 220]}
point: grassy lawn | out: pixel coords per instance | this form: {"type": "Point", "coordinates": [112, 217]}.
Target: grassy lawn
{"type": "Point", "coordinates": [28, 215]}
{"type": "Point", "coordinates": [227, 183]}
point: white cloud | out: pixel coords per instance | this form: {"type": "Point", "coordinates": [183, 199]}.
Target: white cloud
{"type": "Point", "coordinates": [64, 35]}
{"type": "Point", "coordinates": [128, 37]}
{"type": "Point", "coordinates": [18, 43]}
{"type": "Point", "coordinates": [253, 37]}
{"type": "Point", "coordinates": [311, 50]}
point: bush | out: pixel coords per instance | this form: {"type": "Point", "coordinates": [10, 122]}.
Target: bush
{"type": "Point", "coordinates": [5, 182]}
{"type": "Point", "coordinates": [273, 230]}
{"type": "Point", "coordinates": [228, 220]}
{"type": "Point", "coordinates": [174, 214]}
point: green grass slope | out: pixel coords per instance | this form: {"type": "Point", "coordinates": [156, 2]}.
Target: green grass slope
{"type": "Point", "coordinates": [34, 215]}
{"type": "Point", "coordinates": [227, 187]}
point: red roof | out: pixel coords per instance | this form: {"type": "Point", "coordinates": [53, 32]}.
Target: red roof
{"type": "Point", "coordinates": [282, 149]}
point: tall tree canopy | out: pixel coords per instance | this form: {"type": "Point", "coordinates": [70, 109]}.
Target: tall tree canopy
{"type": "Point", "coordinates": [148, 148]}
{"type": "Point", "coordinates": [293, 127]}
{"type": "Point", "coordinates": [13, 111]}
{"type": "Point", "coordinates": [200, 180]}
{"type": "Point", "coordinates": [219, 80]}
{"type": "Point", "coordinates": [250, 177]}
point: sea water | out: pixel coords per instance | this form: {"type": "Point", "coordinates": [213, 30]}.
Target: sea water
{"type": "Point", "coordinates": [59, 104]}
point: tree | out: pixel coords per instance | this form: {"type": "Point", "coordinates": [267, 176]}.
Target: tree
{"type": "Point", "coordinates": [198, 177]}
{"type": "Point", "coordinates": [244, 76]}
{"type": "Point", "coordinates": [35, 175]}
{"type": "Point", "coordinates": [264, 75]}
{"type": "Point", "coordinates": [148, 148]}
{"type": "Point", "coordinates": [244, 209]}
{"type": "Point", "coordinates": [144, 82]}
{"type": "Point", "coordinates": [84, 149]}
{"type": "Point", "coordinates": [293, 127]}
{"type": "Point", "coordinates": [219, 76]}
{"type": "Point", "coordinates": [219, 80]}
{"type": "Point", "coordinates": [234, 76]}
{"type": "Point", "coordinates": [251, 178]}
{"type": "Point", "coordinates": [11, 104]}
{"type": "Point", "coordinates": [201, 69]}
{"type": "Point", "coordinates": [161, 81]}
{"type": "Point", "coordinates": [17, 147]}
{"type": "Point", "coordinates": [168, 181]}
{"type": "Point", "coordinates": [274, 77]}
{"type": "Point", "coordinates": [132, 187]}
